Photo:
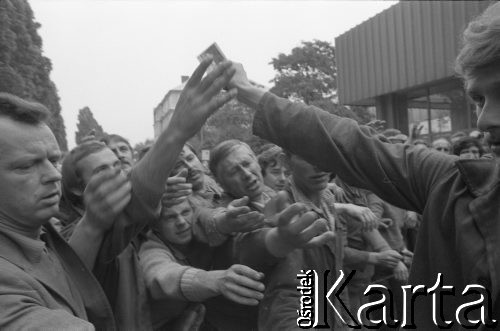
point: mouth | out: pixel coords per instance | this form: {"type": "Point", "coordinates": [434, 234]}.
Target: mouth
{"type": "Point", "coordinates": [51, 198]}
{"type": "Point", "coordinates": [253, 186]}
{"type": "Point", "coordinates": [184, 232]}
{"type": "Point", "coordinates": [280, 186]}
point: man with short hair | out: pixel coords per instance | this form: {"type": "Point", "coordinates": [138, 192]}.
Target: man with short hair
{"type": "Point", "coordinates": [442, 145]}
{"type": "Point", "coordinates": [236, 168]}
{"type": "Point", "coordinates": [459, 199]}
{"type": "Point", "coordinates": [43, 283]}
{"type": "Point", "coordinates": [122, 149]}
{"type": "Point", "coordinates": [176, 265]}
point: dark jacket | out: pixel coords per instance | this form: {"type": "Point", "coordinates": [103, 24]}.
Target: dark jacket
{"type": "Point", "coordinates": [460, 233]}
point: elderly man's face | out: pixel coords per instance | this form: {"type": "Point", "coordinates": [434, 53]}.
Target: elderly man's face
{"type": "Point", "coordinates": [30, 184]}
{"type": "Point", "coordinates": [239, 173]}
{"type": "Point", "coordinates": [484, 89]}
{"type": "Point", "coordinates": [123, 152]}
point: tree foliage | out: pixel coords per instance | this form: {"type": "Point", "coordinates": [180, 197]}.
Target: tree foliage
{"type": "Point", "coordinates": [86, 125]}
{"type": "Point", "coordinates": [309, 74]}
{"type": "Point", "coordinates": [232, 121]}
{"type": "Point", "coordinates": [24, 71]}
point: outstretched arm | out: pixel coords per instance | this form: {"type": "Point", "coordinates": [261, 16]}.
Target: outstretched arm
{"type": "Point", "coordinates": [400, 174]}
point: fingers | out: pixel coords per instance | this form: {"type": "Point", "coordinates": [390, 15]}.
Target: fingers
{"type": "Point", "coordinates": [306, 224]}
{"type": "Point", "coordinates": [243, 295]}
{"type": "Point", "coordinates": [220, 100]}
{"type": "Point", "coordinates": [199, 72]}
{"type": "Point", "coordinates": [239, 202]}
{"type": "Point", "coordinates": [252, 220]}
{"type": "Point", "coordinates": [104, 183]}
{"type": "Point", "coordinates": [212, 76]}
{"type": "Point", "coordinates": [177, 193]}
{"type": "Point", "coordinates": [181, 174]}
{"type": "Point", "coordinates": [285, 217]}
{"type": "Point", "coordinates": [247, 271]}
{"type": "Point", "coordinates": [322, 239]}
{"type": "Point", "coordinates": [237, 211]}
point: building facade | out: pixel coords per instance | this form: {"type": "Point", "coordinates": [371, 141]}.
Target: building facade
{"type": "Point", "coordinates": [402, 62]}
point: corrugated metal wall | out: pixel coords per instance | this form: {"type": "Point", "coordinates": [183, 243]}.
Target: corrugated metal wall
{"type": "Point", "coordinates": [409, 44]}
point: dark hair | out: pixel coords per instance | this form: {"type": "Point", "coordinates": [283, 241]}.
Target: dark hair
{"type": "Point", "coordinates": [270, 156]}
{"type": "Point", "coordinates": [71, 176]}
{"type": "Point", "coordinates": [465, 143]}
{"type": "Point", "coordinates": [108, 138]}
{"type": "Point", "coordinates": [21, 110]}
{"type": "Point", "coordinates": [221, 151]}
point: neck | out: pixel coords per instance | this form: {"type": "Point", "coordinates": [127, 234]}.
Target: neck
{"type": "Point", "coordinates": [13, 226]}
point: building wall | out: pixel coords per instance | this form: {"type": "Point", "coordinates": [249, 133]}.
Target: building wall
{"type": "Point", "coordinates": [410, 44]}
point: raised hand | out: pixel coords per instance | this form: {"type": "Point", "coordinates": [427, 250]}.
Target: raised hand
{"type": "Point", "coordinates": [106, 195]}
{"type": "Point", "coordinates": [201, 97]}
{"type": "Point", "coordinates": [177, 189]}
{"type": "Point", "coordinates": [241, 284]}
{"type": "Point", "coordinates": [239, 218]}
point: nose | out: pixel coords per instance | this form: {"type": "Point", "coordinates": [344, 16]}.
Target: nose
{"type": "Point", "coordinates": [489, 117]}
{"type": "Point", "coordinates": [180, 222]}
{"type": "Point", "coordinates": [246, 173]}
{"type": "Point", "coordinates": [281, 177]}
{"type": "Point", "coordinates": [50, 173]}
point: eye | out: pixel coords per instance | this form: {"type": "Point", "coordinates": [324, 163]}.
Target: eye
{"type": "Point", "coordinates": [478, 100]}
{"type": "Point", "coordinates": [25, 166]}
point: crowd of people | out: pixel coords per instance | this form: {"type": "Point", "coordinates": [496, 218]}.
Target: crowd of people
{"type": "Point", "coordinates": [105, 239]}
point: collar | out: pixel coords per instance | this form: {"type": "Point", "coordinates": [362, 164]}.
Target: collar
{"type": "Point", "coordinates": [326, 197]}
{"type": "Point", "coordinates": [480, 175]}
{"type": "Point", "coordinates": [326, 209]}
{"type": "Point", "coordinates": [30, 248]}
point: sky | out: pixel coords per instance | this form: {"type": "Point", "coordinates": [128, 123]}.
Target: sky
{"type": "Point", "coordinates": [120, 57]}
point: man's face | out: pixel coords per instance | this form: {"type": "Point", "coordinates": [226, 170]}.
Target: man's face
{"type": "Point", "coordinates": [175, 223]}
{"type": "Point", "coordinates": [471, 152]}
{"type": "Point", "coordinates": [484, 89]}
{"type": "Point", "coordinates": [239, 174]}
{"type": "Point", "coordinates": [441, 146]}
{"type": "Point", "coordinates": [306, 176]}
{"type": "Point", "coordinates": [94, 163]}
{"type": "Point", "coordinates": [275, 176]}
{"type": "Point", "coordinates": [123, 152]}
{"type": "Point", "coordinates": [30, 184]}
{"type": "Point", "coordinates": [189, 161]}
